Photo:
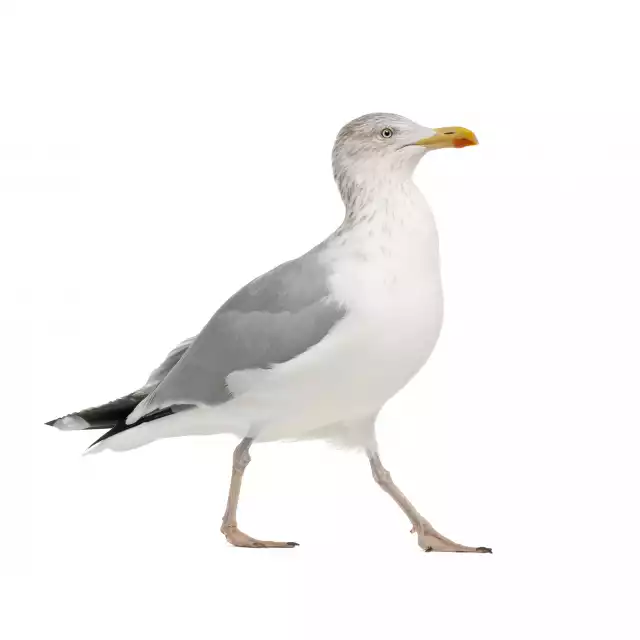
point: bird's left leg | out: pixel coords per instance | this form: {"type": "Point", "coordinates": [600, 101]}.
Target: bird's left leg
{"type": "Point", "coordinates": [229, 528]}
{"type": "Point", "coordinates": [428, 538]}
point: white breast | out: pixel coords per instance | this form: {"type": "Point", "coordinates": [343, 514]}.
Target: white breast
{"type": "Point", "coordinates": [387, 274]}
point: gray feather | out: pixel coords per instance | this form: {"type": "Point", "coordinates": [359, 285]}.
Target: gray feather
{"type": "Point", "coordinates": [273, 319]}
{"type": "Point", "coordinates": [174, 356]}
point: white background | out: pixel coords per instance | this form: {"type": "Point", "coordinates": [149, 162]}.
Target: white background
{"type": "Point", "coordinates": [155, 156]}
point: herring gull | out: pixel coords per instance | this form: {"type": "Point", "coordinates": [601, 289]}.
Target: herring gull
{"type": "Point", "coordinates": [315, 347]}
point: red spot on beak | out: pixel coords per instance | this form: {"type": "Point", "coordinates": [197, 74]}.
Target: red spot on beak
{"type": "Point", "coordinates": [458, 143]}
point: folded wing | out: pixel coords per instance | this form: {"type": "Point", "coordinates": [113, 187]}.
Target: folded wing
{"type": "Point", "coordinates": [270, 321]}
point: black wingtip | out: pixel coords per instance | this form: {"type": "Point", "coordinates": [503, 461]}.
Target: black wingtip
{"type": "Point", "coordinates": [122, 425]}
{"type": "Point", "coordinates": [52, 422]}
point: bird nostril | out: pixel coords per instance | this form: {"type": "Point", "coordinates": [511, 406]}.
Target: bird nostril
{"type": "Point", "coordinates": [449, 133]}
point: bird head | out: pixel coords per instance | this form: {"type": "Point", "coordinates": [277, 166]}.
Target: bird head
{"type": "Point", "coordinates": [385, 143]}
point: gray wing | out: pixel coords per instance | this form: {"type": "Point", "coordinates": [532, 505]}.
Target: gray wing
{"type": "Point", "coordinates": [273, 319]}
{"type": "Point", "coordinates": [174, 356]}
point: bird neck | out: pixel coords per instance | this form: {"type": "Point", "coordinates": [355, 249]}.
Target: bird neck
{"type": "Point", "coordinates": [385, 199]}
{"type": "Point", "coordinates": [391, 217]}
{"type": "Point", "coordinates": [389, 223]}
{"type": "Point", "coordinates": [362, 181]}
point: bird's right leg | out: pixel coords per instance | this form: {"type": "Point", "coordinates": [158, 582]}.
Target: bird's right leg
{"type": "Point", "coordinates": [229, 528]}
{"type": "Point", "coordinates": [428, 538]}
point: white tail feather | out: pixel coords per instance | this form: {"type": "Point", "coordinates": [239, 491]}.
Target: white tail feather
{"type": "Point", "coordinates": [71, 423]}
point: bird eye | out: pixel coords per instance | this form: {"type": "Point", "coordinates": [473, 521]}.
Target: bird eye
{"type": "Point", "coordinates": [386, 133]}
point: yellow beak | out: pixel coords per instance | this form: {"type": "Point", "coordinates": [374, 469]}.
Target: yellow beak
{"type": "Point", "coordinates": [449, 137]}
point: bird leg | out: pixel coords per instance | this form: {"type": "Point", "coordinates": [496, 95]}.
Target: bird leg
{"type": "Point", "coordinates": [229, 528]}
{"type": "Point", "coordinates": [428, 538]}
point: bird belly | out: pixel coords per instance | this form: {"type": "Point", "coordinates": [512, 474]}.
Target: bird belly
{"type": "Point", "coordinates": [395, 332]}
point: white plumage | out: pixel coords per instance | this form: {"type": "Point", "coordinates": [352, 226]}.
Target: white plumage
{"type": "Point", "coordinates": [316, 347]}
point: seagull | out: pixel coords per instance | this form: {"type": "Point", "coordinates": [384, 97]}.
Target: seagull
{"type": "Point", "coordinates": [314, 348]}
